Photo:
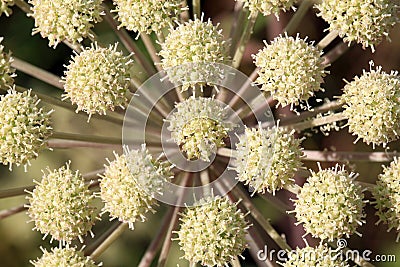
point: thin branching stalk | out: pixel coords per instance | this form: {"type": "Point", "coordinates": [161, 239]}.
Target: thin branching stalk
{"type": "Point", "coordinates": [12, 211]}
{"type": "Point", "coordinates": [13, 192]}
{"type": "Point", "coordinates": [316, 122]}
{"type": "Point", "coordinates": [148, 43]}
{"type": "Point", "coordinates": [336, 52]}
{"type": "Point", "coordinates": [62, 144]}
{"type": "Point", "coordinates": [155, 244]}
{"type": "Point", "coordinates": [23, 6]}
{"type": "Point", "coordinates": [327, 39]}
{"type": "Point", "coordinates": [298, 16]}
{"type": "Point", "coordinates": [92, 247]}
{"type": "Point", "coordinates": [109, 240]}
{"type": "Point", "coordinates": [236, 98]}
{"type": "Point", "coordinates": [333, 156]}
{"type": "Point", "coordinates": [245, 37]}
{"type": "Point", "coordinates": [87, 138]}
{"type": "Point", "coordinates": [239, 14]}
{"type": "Point", "coordinates": [128, 43]}
{"type": "Point", "coordinates": [196, 8]}
{"type": "Point", "coordinates": [37, 72]}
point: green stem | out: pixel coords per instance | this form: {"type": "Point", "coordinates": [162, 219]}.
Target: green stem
{"type": "Point", "coordinates": [245, 37]}
{"type": "Point", "coordinates": [37, 72]}
{"type": "Point", "coordinates": [87, 138]}
{"type": "Point", "coordinates": [196, 9]}
{"type": "Point", "coordinates": [298, 16]}
{"type": "Point", "coordinates": [148, 43]}
{"type": "Point", "coordinates": [327, 39]}
{"type": "Point", "coordinates": [108, 241]}
{"type": "Point", "coordinates": [333, 156]}
{"type": "Point", "coordinates": [316, 122]}
{"type": "Point", "coordinates": [129, 44]}
{"type": "Point", "coordinates": [268, 228]}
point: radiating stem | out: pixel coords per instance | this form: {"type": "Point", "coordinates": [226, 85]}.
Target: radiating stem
{"type": "Point", "coordinates": [23, 6]}
{"type": "Point", "coordinates": [245, 37]}
{"type": "Point", "coordinates": [235, 99]}
{"type": "Point", "coordinates": [298, 16]}
{"type": "Point", "coordinates": [327, 39]}
{"type": "Point", "coordinates": [316, 122]}
{"type": "Point", "coordinates": [87, 138]}
{"type": "Point", "coordinates": [152, 50]}
{"type": "Point", "coordinates": [129, 44]}
{"type": "Point", "coordinates": [13, 192]}
{"type": "Point", "coordinates": [196, 8]}
{"type": "Point", "coordinates": [9, 212]}
{"type": "Point", "coordinates": [37, 72]}
{"type": "Point", "coordinates": [92, 247]}
{"type": "Point", "coordinates": [335, 53]}
{"type": "Point", "coordinates": [315, 155]}
{"type": "Point", "coordinates": [279, 240]}
{"type": "Point", "coordinates": [238, 17]}
{"type": "Point", "coordinates": [235, 262]}
{"type": "Point", "coordinates": [60, 144]}
{"type": "Point", "coordinates": [155, 244]}
{"type": "Point", "coordinates": [109, 240]}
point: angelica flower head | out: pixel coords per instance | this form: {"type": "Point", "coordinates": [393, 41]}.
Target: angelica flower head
{"type": "Point", "coordinates": [129, 184]}
{"type": "Point", "coordinates": [212, 233]}
{"type": "Point", "coordinates": [64, 257]}
{"type": "Point", "coordinates": [147, 16]}
{"type": "Point", "coordinates": [5, 7]}
{"type": "Point", "coordinates": [361, 21]}
{"type": "Point", "coordinates": [321, 256]}
{"type": "Point", "coordinates": [373, 113]}
{"type": "Point", "coordinates": [194, 42]}
{"type": "Point", "coordinates": [98, 79]}
{"type": "Point", "coordinates": [24, 128]}
{"type": "Point", "coordinates": [330, 205]}
{"type": "Point", "coordinates": [6, 71]}
{"type": "Point", "coordinates": [267, 159]}
{"type": "Point", "coordinates": [387, 197]}
{"type": "Point", "coordinates": [291, 69]}
{"type": "Point", "coordinates": [61, 205]}
{"type": "Point", "coordinates": [60, 20]}
{"type": "Point", "coordinates": [268, 7]}
{"type": "Point", "coordinates": [198, 126]}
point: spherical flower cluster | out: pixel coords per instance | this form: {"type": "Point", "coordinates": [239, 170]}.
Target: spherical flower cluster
{"type": "Point", "coordinates": [387, 197]}
{"type": "Point", "coordinates": [267, 160]}
{"type": "Point", "coordinates": [65, 20]}
{"type": "Point", "coordinates": [373, 113]}
{"type": "Point", "coordinates": [61, 205]}
{"type": "Point", "coordinates": [6, 71]}
{"type": "Point", "coordinates": [330, 205]}
{"type": "Point", "coordinates": [212, 233]}
{"type": "Point", "coordinates": [321, 256]}
{"type": "Point", "coordinates": [129, 184]}
{"type": "Point", "coordinates": [24, 128]}
{"type": "Point", "coordinates": [365, 22]}
{"type": "Point", "coordinates": [147, 16]}
{"type": "Point", "coordinates": [98, 79]}
{"type": "Point", "coordinates": [194, 42]}
{"type": "Point", "coordinates": [197, 125]}
{"type": "Point", "coordinates": [269, 6]}
{"type": "Point", "coordinates": [290, 69]}
{"type": "Point", "coordinates": [64, 257]}
{"type": "Point", "coordinates": [5, 7]}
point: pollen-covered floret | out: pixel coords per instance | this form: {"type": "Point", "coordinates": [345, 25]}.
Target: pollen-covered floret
{"type": "Point", "coordinates": [98, 80]}
{"type": "Point", "coordinates": [198, 126]}
{"type": "Point", "coordinates": [387, 197]}
{"type": "Point", "coordinates": [268, 7]}
{"type": "Point", "coordinates": [6, 71]}
{"type": "Point", "coordinates": [267, 160]}
{"type": "Point", "coordinates": [373, 113]}
{"type": "Point", "coordinates": [64, 257]}
{"type": "Point", "coordinates": [147, 16]}
{"type": "Point", "coordinates": [61, 205]}
{"type": "Point", "coordinates": [212, 233]}
{"type": "Point", "coordinates": [291, 69]}
{"type": "Point", "coordinates": [24, 128]}
{"type": "Point", "coordinates": [194, 42]}
{"type": "Point", "coordinates": [321, 256]}
{"type": "Point", "coordinates": [129, 184]}
{"type": "Point", "coordinates": [330, 205]}
{"type": "Point", "coordinates": [362, 21]}
{"type": "Point", "coordinates": [60, 20]}
{"type": "Point", "coordinates": [5, 7]}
